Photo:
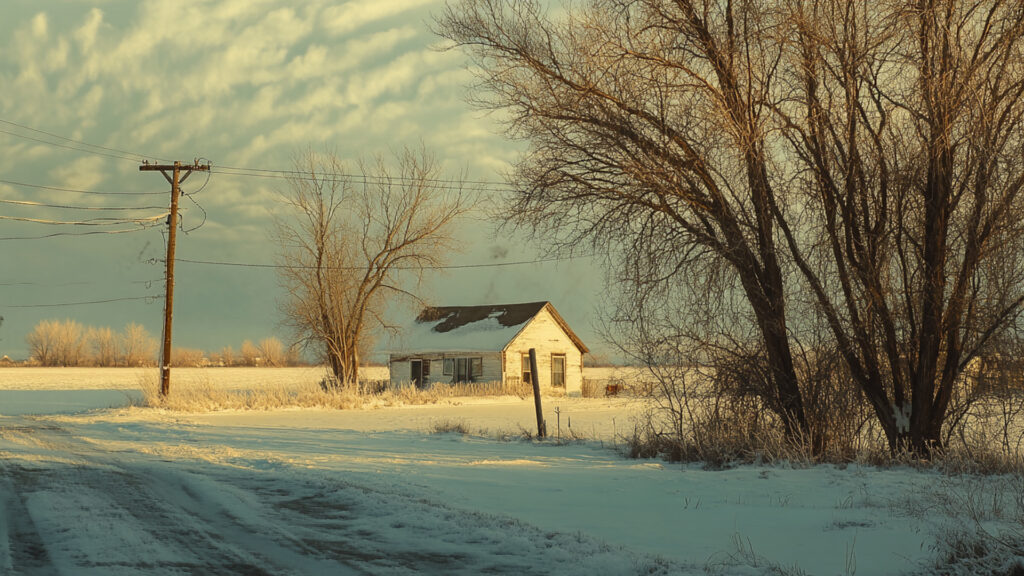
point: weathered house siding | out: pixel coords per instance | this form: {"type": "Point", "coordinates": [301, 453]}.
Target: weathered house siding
{"type": "Point", "coordinates": [401, 366]}
{"type": "Point", "coordinates": [545, 335]}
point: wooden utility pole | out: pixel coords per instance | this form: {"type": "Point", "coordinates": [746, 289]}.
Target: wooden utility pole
{"type": "Point", "coordinates": [542, 428]}
{"type": "Point", "coordinates": [175, 179]}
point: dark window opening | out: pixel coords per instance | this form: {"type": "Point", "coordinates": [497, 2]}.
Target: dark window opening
{"type": "Point", "coordinates": [558, 370]}
{"type": "Point", "coordinates": [466, 369]}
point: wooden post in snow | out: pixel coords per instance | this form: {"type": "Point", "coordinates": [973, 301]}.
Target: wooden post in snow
{"type": "Point", "coordinates": [535, 377]}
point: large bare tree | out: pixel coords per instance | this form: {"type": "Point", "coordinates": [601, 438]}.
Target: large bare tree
{"type": "Point", "coordinates": [351, 244]}
{"type": "Point", "coordinates": [647, 122]}
{"type": "Point", "coordinates": [905, 120]}
{"type": "Point", "coordinates": [859, 161]}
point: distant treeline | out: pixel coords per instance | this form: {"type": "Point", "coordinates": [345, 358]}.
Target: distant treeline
{"type": "Point", "coordinates": [69, 343]}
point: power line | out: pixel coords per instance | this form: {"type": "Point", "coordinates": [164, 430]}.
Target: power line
{"type": "Point", "coordinates": [440, 183]}
{"type": "Point", "coordinates": [151, 299]}
{"type": "Point", "coordinates": [80, 142]}
{"type": "Point", "coordinates": [451, 267]}
{"type": "Point", "coordinates": [437, 183]}
{"type": "Point", "coordinates": [79, 283]}
{"type": "Point", "coordinates": [65, 146]}
{"type": "Point", "coordinates": [301, 174]}
{"type": "Point", "coordinates": [69, 207]}
{"type": "Point", "coordinates": [92, 222]}
{"type": "Point", "coordinates": [76, 191]}
{"type": "Point", "coordinates": [90, 233]}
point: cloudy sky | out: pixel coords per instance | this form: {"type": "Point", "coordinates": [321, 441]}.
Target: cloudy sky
{"type": "Point", "coordinates": [242, 83]}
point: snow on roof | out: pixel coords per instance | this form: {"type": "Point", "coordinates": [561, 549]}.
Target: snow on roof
{"type": "Point", "coordinates": [468, 328]}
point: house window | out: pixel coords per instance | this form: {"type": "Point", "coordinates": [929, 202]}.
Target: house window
{"type": "Point", "coordinates": [465, 369]}
{"type": "Point", "coordinates": [527, 376]}
{"type": "Point", "coordinates": [558, 370]}
{"type": "Point", "coordinates": [449, 367]}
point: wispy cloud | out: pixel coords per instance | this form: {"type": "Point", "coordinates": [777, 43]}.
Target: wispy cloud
{"type": "Point", "coordinates": [240, 82]}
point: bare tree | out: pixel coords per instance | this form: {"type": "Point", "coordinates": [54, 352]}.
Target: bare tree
{"type": "Point", "coordinates": [857, 162]}
{"type": "Point", "coordinates": [42, 342]}
{"type": "Point", "coordinates": [71, 343]}
{"type": "Point", "coordinates": [138, 347]}
{"type": "Point", "coordinates": [250, 354]}
{"type": "Point", "coordinates": [56, 343]}
{"type": "Point", "coordinates": [226, 356]}
{"type": "Point", "coordinates": [648, 123]}
{"type": "Point", "coordinates": [273, 353]}
{"type": "Point", "coordinates": [346, 241]}
{"type": "Point", "coordinates": [187, 357]}
{"type": "Point", "coordinates": [103, 345]}
{"type": "Point", "coordinates": [907, 123]}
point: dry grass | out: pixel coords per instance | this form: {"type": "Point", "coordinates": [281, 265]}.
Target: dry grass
{"type": "Point", "coordinates": [464, 389]}
{"type": "Point", "coordinates": [984, 533]}
{"type": "Point", "coordinates": [199, 395]}
{"type": "Point", "coordinates": [592, 388]}
{"type": "Point", "coordinates": [451, 427]}
{"type": "Point", "coordinates": [691, 417]}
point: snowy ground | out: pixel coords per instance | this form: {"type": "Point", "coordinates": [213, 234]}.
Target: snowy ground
{"type": "Point", "coordinates": [128, 491]}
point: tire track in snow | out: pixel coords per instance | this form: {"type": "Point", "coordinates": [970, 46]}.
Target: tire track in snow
{"type": "Point", "coordinates": [96, 511]}
{"type": "Point", "coordinates": [24, 551]}
{"type": "Point", "coordinates": [111, 514]}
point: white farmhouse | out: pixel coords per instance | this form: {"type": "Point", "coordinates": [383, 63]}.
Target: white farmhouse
{"type": "Point", "coordinates": [490, 343]}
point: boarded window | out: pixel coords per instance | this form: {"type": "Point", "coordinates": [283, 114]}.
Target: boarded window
{"type": "Point", "coordinates": [527, 377]}
{"type": "Point", "coordinates": [558, 370]}
{"type": "Point", "coordinates": [476, 368]}
{"type": "Point", "coordinates": [449, 367]}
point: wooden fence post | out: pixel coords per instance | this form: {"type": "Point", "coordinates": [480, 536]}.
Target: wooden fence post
{"type": "Point", "coordinates": [535, 377]}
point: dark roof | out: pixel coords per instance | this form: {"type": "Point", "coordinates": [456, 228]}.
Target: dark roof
{"type": "Point", "coordinates": [452, 317]}
{"type": "Point", "coordinates": [449, 318]}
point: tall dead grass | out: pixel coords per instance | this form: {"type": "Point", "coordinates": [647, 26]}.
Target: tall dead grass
{"type": "Point", "coordinates": [693, 416]}
{"type": "Point", "coordinates": [199, 395]}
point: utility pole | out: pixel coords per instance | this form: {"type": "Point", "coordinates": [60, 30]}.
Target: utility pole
{"type": "Point", "coordinates": [175, 179]}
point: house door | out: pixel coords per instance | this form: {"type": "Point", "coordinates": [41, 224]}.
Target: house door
{"type": "Point", "coordinates": [417, 373]}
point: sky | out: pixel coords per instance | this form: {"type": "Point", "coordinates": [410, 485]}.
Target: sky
{"type": "Point", "coordinates": [245, 83]}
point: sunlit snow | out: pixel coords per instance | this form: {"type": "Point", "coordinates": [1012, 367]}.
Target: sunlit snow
{"type": "Point", "coordinates": [129, 491]}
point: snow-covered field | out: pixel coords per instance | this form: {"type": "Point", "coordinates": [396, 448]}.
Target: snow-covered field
{"type": "Point", "coordinates": [129, 491]}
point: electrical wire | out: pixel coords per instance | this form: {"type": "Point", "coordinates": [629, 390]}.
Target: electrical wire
{"type": "Point", "coordinates": [69, 207]}
{"type": "Point", "coordinates": [301, 173]}
{"type": "Point", "coordinates": [450, 267]}
{"type": "Point", "coordinates": [439, 184]}
{"type": "Point", "coordinates": [201, 209]}
{"type": "Point", "coordinates": [90, 233]}
{"type": "Point", "coordinates": [200, 161]}
{"type": "Point", "coordinates": [92, 222]}
{"type": "Point", "coordinates": [80, 142]}
{"type": "Point", "coordinates": [190, 196]}
{"type": "Point", "coordinates": [76, 191]}
{"type": "Point", "coordinates": [150, 300]}
{"type": "Point", "coordinates": [65, 146]}
{"type": "Point", "coordinates": [442, 183]}
{"type": "Point", "coordinates": [80, 283]}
